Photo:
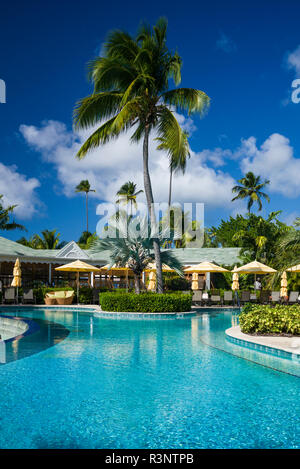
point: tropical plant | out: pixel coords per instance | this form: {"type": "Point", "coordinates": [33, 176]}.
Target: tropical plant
{"type": "Point", "coordinates": [86, 240]}
{"type": "Point", "coordinates": [49, 239]}
{"type": "Point", "coordinates": [133, 247]}
{"type": "Point", "coordinates": [250, 188]}
{"type": "Point", "coordinates": [256, 236]}
{"type": "Point", "coordinates": [84, 186]}
{"type": "Point", "coordinates": [128, 194]}
{"type": "Point", "coordinates": [6, 224]}
{"type": "Point", "coordinates": [131, 90]}
{"type": "Point", "coordinates": [177, 159]}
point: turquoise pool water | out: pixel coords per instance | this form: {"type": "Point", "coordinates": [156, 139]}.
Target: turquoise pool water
{"type": "Point", "coordinates": [85, 382]}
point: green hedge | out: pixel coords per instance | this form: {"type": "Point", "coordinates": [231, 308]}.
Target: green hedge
{"type": "Point", "coordinates": [268, 320]}
{"type": "Point", "coordinates": [85, 295]}
{"type": "Point", "coordinates": [145, 302]}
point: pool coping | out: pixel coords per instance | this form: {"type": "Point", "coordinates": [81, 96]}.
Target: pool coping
{"type": "Point", "coordinates": [272, 344]}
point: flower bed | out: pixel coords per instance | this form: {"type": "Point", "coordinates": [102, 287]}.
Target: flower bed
{"type": "Point", "coordinates": [268, 320]}
{"type": "Point", "coordinates": [146, 302]}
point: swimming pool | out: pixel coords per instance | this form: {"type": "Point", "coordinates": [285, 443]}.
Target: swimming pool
{"type": "Point", "coordinates": [84, 382]}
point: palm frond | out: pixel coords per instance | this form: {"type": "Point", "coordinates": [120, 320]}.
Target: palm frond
{"type": "Point", "coordinates": [187, 100]}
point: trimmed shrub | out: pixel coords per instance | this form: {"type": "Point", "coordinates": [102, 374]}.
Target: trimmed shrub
{"type": "Point", "coordinates": [146, 302]}
{"type": "Point", "coordinates": [268, 320]}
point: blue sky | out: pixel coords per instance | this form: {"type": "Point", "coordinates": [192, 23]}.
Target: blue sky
{"type": "Point", "coordinates": [243, 55]}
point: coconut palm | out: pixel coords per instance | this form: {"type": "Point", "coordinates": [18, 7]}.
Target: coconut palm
{"type": "Point", "coordinates": [49, 239]}
{"type": "Point", "coordinates": [133, 247]}
{"type": "Point", "coordinates": [84, 186]}
{"type": "Point", "coordinates": [128, 194]}
{"type": "Point", "coordinates": [131, 90]}
{"type": "Point", "coordinates": [177, 159]}
{"type": "Point", "coordinates": [6, 224]}
{"type": "Point", "coordinates": [250, 188]}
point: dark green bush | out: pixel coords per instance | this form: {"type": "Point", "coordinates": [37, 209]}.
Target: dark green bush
{"type": "Point", "coordinates": [177, 283]}
{"type": "Point", "coordinates": [263, 319]}
{"type": "Point", "coordinates": [145, 302]}
{"type": "Point", "coordinates": [85, 295]}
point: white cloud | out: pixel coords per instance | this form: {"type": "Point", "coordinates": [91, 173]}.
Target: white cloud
{"type": "Point", "coordinates": [118, 161]}
{"type": "Point", "coordinates": [226, 44]}
{"type": "Point", "coordinates": [19, 190]}
{"type": "Point", "coordinates": [293, 60]}
{"type": "Point", "coordinates": [274, 160]}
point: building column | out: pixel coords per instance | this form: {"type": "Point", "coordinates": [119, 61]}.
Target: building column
{"type": "Point", "coordinates": [92, 279]}
{"type": "Point", "coordinates": [50, 274]}
{"type": "Point", "coordinates": [207, 279]}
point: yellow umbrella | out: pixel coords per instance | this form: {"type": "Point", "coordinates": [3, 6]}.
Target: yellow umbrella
{"type": "Point", "coordinates": [204, 267]}
{"type": "Point", "coordinates": [78, 266]}
{"type": "Point", "coordinates": [283, 285]}
{"type": "Point", "coordinates": [152, 267]}
{"type": "Point", "coordinates": [254, 267]}
{"type": "Point", "coordinates": [152, 281]}
{"type": "Point", "coordinates": [17, 280]}
{"type": "Point", "coordinates": [195, 282]}
{"type": "Point", "coordinates": [114, 267]}
{"type": "Point", "coordinates": [295, 268]}
{"type": "Point", "coordinates": [235, 281]}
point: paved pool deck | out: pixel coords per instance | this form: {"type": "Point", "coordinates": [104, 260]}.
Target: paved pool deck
{"type": "Point", "coordinates": [287, 344]}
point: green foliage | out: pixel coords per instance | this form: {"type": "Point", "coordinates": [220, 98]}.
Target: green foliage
{"type": "Point", "coordinates": [6, 223]}
{"type": "Point", "coordinates": [268, 320]}
{"type": "Point", "coordinates": [258, 237]}
{"type": "Point", "coordinates": [128, 194]}
{"type": "Point", "coordinates": [49, 239]}
{"type": "Point", "coordinates": [84, 186]}
{"type": "Point", "coordinates": [85, 295]}
{"type": "Point", "coordinates": [133, 248]}
{"type": "Point", "coordinates": [145, 302]}
{"type": "Point", "coordinates": [176, 284]}
{"type": "Point", "coordinates": [250, 189]}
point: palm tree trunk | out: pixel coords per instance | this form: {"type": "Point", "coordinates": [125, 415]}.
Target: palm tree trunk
{"type": "Point", "coordinates": [170, 187]}
{"type": "Point", "coordinates": [137, 284]}
{"type": "Point", "coordinates": [87, 213]}
{"type": "Point", "coordinates": [150, 201]}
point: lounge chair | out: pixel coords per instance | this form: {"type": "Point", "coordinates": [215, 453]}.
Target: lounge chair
{"type": "Point", "coordinates": [293, 298]}
{"type": "Point", "coordinates": [205, 298]}
{"type": "Point", "coordinates": [197, 298]}
{"type": "Point", "coordinates": [64, 297]}
{"type": "Point", "coordinates": [227, 297]}
{"type": "Point", "coordinates": [215, 297]}
{"type": "Point", "coordinates": [9, 295]}
{"type": "Point", "coordinates": [28, 296]}
{"type": "Point", "coordinates": [264, 297]}
{"type": "Point", "coordinates": [275, 297]}
{"type": "Point", "coordinates": [245, 297]}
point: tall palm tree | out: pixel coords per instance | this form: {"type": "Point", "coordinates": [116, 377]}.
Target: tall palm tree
{"type": "Point", "coordinates": [131, 90]}
{"type": "Point", "coordinates": [84, 186]}
{"type": "Point", "coordinates": [6, 224]}
{"type": "Point", "coordinates": [250, 188]}
{"type": "Point", "coordinates": [128, 194]}
{"type": "Point", "coordinates": [177, 159]}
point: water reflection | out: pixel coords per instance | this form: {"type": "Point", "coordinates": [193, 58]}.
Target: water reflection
{"type": "Point", "coordinates": [44, 334]}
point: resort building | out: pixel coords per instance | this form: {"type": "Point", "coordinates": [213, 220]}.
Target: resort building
{"type": "Point", "coordinates": [38, 265]}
